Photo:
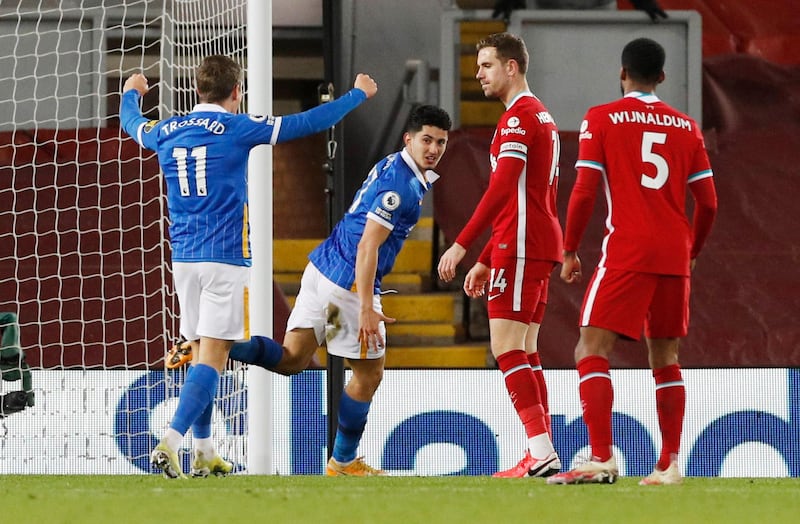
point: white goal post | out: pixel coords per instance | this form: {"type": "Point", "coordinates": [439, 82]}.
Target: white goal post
{"type": "Point", "coordinates": [84, 256]}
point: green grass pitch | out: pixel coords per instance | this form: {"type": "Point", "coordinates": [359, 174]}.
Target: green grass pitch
{"type": "Point", "coordinates": [121, 499]}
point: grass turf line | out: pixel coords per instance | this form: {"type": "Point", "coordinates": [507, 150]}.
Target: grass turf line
{"type": "Point", "coordinates": [89, 499]}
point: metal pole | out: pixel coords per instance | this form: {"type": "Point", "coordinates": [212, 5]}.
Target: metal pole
{"type": "Point", "coordinates": [331, 19]}
{"type": "Point", "coordinates": [259, 99]}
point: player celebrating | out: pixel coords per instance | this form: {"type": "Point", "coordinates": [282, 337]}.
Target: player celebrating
{"type": "Point", "coordinates": [646, 153]}
{"type": "Point", "coordinates": [526, 241]}
{"type": "Point", "coordinates": [339, 299]}
{"type": "Point", "coordinates": [203, 156]}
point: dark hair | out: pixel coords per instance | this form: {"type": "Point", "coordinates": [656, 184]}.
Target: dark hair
{"type": "Point", "coordinates": [215, 77]}
{"type": "Point", "coordinates": [643, 59]}
{"type": "Point", "coordinates": [428, 115]}
{"type": "Point", "coordinates": [508, 47]}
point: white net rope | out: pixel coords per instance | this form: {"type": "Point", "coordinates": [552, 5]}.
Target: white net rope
{"type": "Point", "coordinates": [83, 246]}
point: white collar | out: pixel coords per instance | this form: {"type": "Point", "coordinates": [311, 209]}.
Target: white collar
{"type": "Point", "coordinates": [647, 98]}
{"type": "Point", "coordinates": [208, 108]}
{"type": "Point", "coordinates": [425, 179]}
{"type": "Point", "coordinates": [521, 94]}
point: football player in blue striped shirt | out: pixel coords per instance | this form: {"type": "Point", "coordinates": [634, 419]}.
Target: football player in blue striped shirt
{"type": "Point", "coordinates": [203, 156]}
{"type": "Point", "coordinates": [340, 292]}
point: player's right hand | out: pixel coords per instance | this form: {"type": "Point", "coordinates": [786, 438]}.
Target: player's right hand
{"type": "Point", "coordinates": [449, 260]}
{"type": "Point", "coordinates": [365, 83]}
{"type": "Point", "coordinates": [571, 268]}
{"type": "Point", "coordinates": [138, 82]}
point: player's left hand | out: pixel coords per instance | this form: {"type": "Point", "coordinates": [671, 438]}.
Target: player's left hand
{"type": "Point", "coordinates": [369, 332]}
{"type": "Point", "coordinates": [652, 9]}
{"type": "Point", "coordinates": [476, 279]}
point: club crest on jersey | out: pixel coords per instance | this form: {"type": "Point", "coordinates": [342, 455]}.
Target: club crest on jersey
{"type": "Point", "coordinates": [149, 126]}
{"type": "Point", "coordinates": [261, 118]}
{"type": "Point", "coordinates": [512, 127]}
{"type": "Point", "coordinates": [390, 201]}
{"type": "Point", "coordinates": [584, 131]}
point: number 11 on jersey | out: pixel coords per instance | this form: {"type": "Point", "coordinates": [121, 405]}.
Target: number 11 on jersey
{"type": "Point", "coordinates": [199, 155]}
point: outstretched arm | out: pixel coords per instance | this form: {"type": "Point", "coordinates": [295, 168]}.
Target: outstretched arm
{"type": "Point", "coordinates": [326, 115]}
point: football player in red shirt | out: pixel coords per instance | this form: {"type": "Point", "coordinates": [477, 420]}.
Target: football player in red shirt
{"type": "Point", "coordinates": [646, 154]}
{"type": "Point", "coordinates": [525, 244]}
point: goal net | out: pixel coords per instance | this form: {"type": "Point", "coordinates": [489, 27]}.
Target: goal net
{"type": "Point", "coordinates": [84, 254]}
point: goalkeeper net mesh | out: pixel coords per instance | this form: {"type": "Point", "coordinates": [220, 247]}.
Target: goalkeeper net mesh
{"type": "Point", "coordinates": [84, 253]}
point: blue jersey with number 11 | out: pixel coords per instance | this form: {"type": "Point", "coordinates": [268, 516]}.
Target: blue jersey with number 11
{"type": "Point", "coordinates": [203, 156]}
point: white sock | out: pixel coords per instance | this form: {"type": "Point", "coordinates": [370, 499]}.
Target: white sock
{"type": "Point", "coordinates": [540, 446]}
{"type": "Point", "coordinates": [204, 446]}
{"type": "Point", "coordinates": [172, 439]}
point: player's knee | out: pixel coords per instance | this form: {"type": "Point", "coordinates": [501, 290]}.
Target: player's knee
{"type": "Point", "coordinates": [369, 379]}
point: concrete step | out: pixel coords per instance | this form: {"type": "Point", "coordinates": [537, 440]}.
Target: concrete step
{"type": "Point", "coordinates": [430, 308]}
{"type": "Point", "coordinates": [291, 255]}
{"type": "Point", "coordinates": [402, 282]}
{"type": "Point", "coordinates": [423, 230]}
{"type": "Point", "coordinates": [428, 324]}
{"type": "Point", "coordinates": [473, 31]}
{"type": "Point", "coordinates": [475, 109]}
{"type": "Point", "coordinates": [480, 113]}
{"type": "Point", "coordinates": [471, 356]}
{"type": "Point", "coordinates": [422, 334]}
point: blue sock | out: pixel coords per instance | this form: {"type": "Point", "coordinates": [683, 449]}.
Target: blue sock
{"type": "Point", "coordinates": [196, 394]}
{"type": "Point", "coordinates": [352, 420]}
{"type": "Point", "coordinates": [261, 351]}
{"type": "Point", "coordinates": [202, 426]}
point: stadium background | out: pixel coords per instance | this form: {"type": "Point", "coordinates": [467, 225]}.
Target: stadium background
{"type": "Point", "coordinates": [747, 282]}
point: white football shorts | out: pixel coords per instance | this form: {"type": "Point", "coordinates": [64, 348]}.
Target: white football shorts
{"type": "Point", "coordinates": [213, 299]}
{"type": "Point", "coordinates": [332, 312]}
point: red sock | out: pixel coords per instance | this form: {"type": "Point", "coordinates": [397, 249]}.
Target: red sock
{"type": "Point", "coordinates": [523, 391]}
{"type": "Point", "coordinates": [597, 398]}
{"type": "Point", "coordinates": [670, 404]}
{"type": "Point", "coordinates": [538, 373]}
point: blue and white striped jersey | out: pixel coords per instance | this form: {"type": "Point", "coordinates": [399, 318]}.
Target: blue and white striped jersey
{"type": "Point", "coordinates": [203, 156]}
{"type": "Point", "coordinates": [392, 196]}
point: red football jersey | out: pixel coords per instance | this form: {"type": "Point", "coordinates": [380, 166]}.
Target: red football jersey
{"type": "Point", "coordinates": [520, 202]}
{"type": "Point", "coordinates": [647, 153]}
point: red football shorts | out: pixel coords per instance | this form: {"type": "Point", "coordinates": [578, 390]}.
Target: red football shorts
{"type": "Point", "coordinates": [624, 301]}
{"type": "Point", "coordinates": [518, 289]}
